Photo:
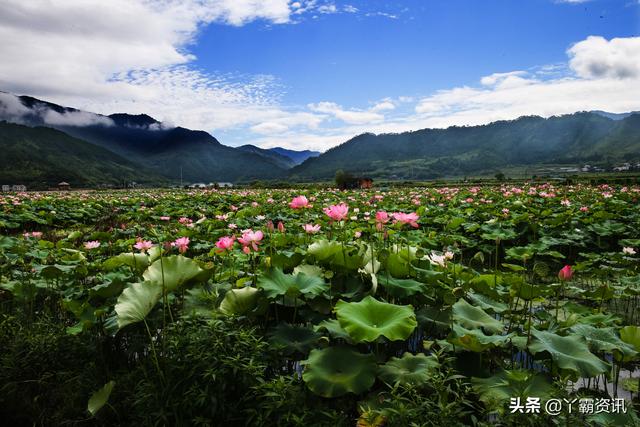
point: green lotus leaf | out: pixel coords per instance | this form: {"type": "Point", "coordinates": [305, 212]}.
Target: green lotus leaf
{"type": "Point", "coordinates": [309, 270]}
{"type": "Point", "coordinates": [100, 398]}
{"type": "Point", "coordinates": [286, 259]}
{"type": "Point", "coordinates": [497, 232]}
{"type": "Point", "coordinates": [398, 263]}
{"type": "Point", "coordinates": [571, 353]}
{"type": "Point", "coordinates": [486, 303]}
{"type": "Point", "coordinates": [337, 254]}
{"type": "Point", "coordinates": [430, 316]}
{"type": "Point", "coordinates": [333, 327]}
{"type": "Point", "coordinates": [631, 336]}
{"type": "Point", "coordinates": [367, 320]}
{"type": "Point", "coordinates": [294, 338]}
{"type": "Point", "coordinates": [408, 369]}
{"type": "Point", "coordinates": [238, 302]}
{"type": "Point", "coordinates": [474, 318]}
{"type": "Point", "coordinates": [604, 339]}
{"type": "Point", "coordinates": [475, 340]}
{"type": "Point", "coordinates": [499, 388]}
{"type": "Point", "coordinates": [336, 371]}
{"type": "Point", "coordinates": [136, 301]}
{"type": "Point", "coordinates": [174, 271]}
{"type": "Point", "coordinates": [275, 283]}
{"type": "Point", "coordinates": [138, 261]}
{"type": "Point", "coordinates": [400, 288]}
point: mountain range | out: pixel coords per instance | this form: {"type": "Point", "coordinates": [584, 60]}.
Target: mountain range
{"type": "Point", "coordinates": [572, 139]}
{"type": "Point", "coordinates": [43, 143]}
{"type": "Point", "coordinates": [175, 153]}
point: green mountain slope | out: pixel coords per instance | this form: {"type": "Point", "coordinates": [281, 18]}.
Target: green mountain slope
{"type": "Point", "coordinates": [279, 159]}
{"type": "Point", "coordinates": [141, 139]}
{"type": "Point", "coordinates": [432, 153]}
{"type": "Point", "coordinates": [42, 157]}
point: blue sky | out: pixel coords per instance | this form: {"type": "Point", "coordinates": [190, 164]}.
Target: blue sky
{"type": "Point", "coordinates": [353, 59]}
{"type": "Point", "coordinates": [314, 73]}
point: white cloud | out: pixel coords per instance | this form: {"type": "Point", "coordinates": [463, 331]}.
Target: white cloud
{"type": "Point", "coordinates": [328, 8]}
{"type": "Point", "coordinates": [268, 128]}
{"type": "Point", "coordinates": [74, 118]}
{"type": "Point", "coordinates": [383, 106]}
{"type": "Point", "coordinates": [347, 116]}
{"type": "Point", "coordinates": [597, 57]}
{"type": "Point", "coordinates": [12, 109]}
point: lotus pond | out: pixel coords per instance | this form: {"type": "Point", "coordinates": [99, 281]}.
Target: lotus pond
{"type": "Point", "coordinates": [429, 306]}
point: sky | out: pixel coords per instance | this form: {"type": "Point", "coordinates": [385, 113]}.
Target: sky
{"type": "Point", "coordinates": [310, 74]}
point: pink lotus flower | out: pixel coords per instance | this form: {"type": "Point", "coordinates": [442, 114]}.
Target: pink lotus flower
{"type": "Point", "coordinates": [185, 220]}
{"type": "Point", "coordinates": [93, 244]}
{"type": "Point", "coordinates": [404, 218]}
{"type": "Point", "coordinates": [225, 243]}
{"type": "Point", "coordinates": [566, 273]}
{"type": "Point", "coordinates": [270, 226]}
{"type": "Point", "coordinates": [250, 239]}
{"type": "Point", "coordinates": [357, 234]}
{"type": "Point", "coordinates": [182, 244]}
{"type": "Point", "coordinates": [299, 202]}
{"type": "Point", "coordinates": [36, 234]}
{"type": "Point", "coordinates": [280, 227]}
{"type": "Point", "coordinates": [382, 217]}
{"type": "Point", "coordinates": [165, 218]}
{"type": "Point", "coordinates": [505, 211]}
{"type": "Point", "coordinates": [584, 209]}
{"type": "Point", "coordinates": [337, 212]}
{"type": "Point", "coordinates": [311, 229]}
{"type": "Point", "coordinates": [143, 245]}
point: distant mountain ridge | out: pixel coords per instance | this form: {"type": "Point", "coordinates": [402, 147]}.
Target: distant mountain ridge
{"type": "Point", "coordinates": [282, 156]}
{"type": "Point", "coordinates": [173, 152]}
{"type": "Point", "coordinates": [458, 151]}
{"type": "Point", "coordinates": [139, 145]}
{"type": "Point", "coordinates": [297, 156]}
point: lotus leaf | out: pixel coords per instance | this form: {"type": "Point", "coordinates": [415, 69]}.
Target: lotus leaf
{"type": "Point", "coordinates": [408, 369]}
{"type": "Point", "coordinates": [369, 319]}
{"type": "Point", "coordinates": [100, 398]}
{"type": "Point", "coordinates": [174, 271]}
{"type": "Point", "coordinates": [136, 301]}
{"type": "Point", "coordinates": [275, 283]}
{"type": "Point", "coordinates": [499, 388]}
{"type": "Point", "coordinates": [336, 371]}
{"type": "Point", "coordinates": [294, 338]}
{"type": "Point", "coordinates": [570, 353]}
{"type": "Point", "coordinates": [238, 302]}
{"type": "Point", "coordinates": [474, 318]}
